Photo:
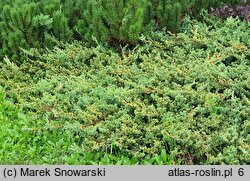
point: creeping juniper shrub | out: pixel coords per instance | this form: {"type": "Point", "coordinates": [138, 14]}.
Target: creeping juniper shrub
{"type": "Point", "coordinates": [185, 94]}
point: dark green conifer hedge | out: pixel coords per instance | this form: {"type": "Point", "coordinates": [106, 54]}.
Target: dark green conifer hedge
{"type": "Point", "coordinates": [33, 23]}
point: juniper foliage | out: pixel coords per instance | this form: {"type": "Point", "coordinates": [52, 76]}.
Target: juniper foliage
{"type": "Point", "coordinates": [188, 94]}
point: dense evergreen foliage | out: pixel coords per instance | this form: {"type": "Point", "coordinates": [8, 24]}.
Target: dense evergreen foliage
{"type": "Point", "coordinates": [33, 23]}
{"type": "Point", "coordinates": [175, 99]}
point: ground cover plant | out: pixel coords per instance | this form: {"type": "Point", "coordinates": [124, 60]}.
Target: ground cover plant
{"type": "Point", "coordinates": [19, 145]}
{"type": "Point", "coordinates": [173, 99]}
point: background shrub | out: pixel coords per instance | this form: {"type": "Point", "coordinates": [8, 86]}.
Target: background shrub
{"type": "Point", "coordinates": [38, 24]}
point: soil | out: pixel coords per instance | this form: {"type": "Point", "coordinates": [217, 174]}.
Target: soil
{"type": "Point", "coordinates": [243, 12]}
